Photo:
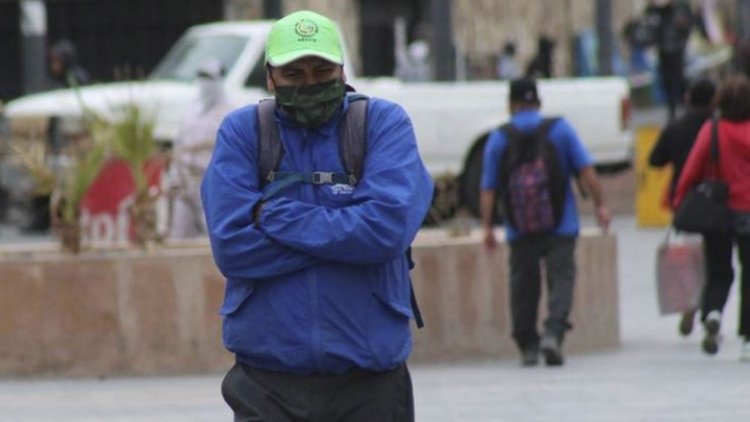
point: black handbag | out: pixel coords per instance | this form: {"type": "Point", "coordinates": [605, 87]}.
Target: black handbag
{"type": "Point", "coordinates": [704, 209]}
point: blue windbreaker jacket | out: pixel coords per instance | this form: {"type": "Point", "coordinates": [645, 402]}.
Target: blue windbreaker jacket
{"type": "Point", "coordinates": [321, 283]}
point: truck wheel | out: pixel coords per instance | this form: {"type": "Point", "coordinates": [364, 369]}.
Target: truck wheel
{"type": "Point", "coordinates": [468, 197]}
{"type": "Point", "coordinates": [470, 177]}
{"type": "Point", "coordinates": [444, 201]}
{"type": "Point", "coordinates": [3, 203]}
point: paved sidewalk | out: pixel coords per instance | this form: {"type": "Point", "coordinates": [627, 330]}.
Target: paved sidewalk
{"type": "Point", "coordinates": [655, 376]}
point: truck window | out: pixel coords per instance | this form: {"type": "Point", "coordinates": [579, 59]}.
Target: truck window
{"type": "Point", "coordinates": [182, 61]}
{"type": "Point", "coordinates": [257, 78]}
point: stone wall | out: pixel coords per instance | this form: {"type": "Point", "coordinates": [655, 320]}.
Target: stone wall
{"type": "Point", "coordinates": [480, 26]}
{"type": "Point", "coordinates": [121, 312]}
{"type": "Point", "coordinates": [463, 295]}
{"type": "Point", "coordinates": [117, 312]}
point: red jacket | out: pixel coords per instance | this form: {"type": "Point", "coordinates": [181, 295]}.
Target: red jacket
{"type": "Point", "coordinates": [734, 162]}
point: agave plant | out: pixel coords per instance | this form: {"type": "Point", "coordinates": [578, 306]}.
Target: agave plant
{"type": "Point", "coordinates": [83, 168]}
{"type": "Point", "coordinates": [79, 176]}
{"type": "Point", "coordinates": [131, 138]}
{"type": "Point", "coordinates": [32, 157]}
{"type": "Point", "coordinates": [65, 188]}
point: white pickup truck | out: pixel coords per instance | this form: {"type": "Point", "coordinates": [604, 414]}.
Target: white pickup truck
{"type": "Point", "coordinates": [451, 119]}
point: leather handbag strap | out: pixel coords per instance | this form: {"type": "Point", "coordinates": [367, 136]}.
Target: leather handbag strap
{"type": "Point", "coordinates": [715, 139]}
{"type": "Point", "coordinates": [714, 163]}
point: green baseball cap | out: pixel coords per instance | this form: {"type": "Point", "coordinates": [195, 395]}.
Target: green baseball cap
{"type": "Point", "coordinates": [301, 34]}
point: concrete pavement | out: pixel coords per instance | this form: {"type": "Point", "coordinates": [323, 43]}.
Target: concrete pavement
{"type": "Point", "coordinates": [655, 376]}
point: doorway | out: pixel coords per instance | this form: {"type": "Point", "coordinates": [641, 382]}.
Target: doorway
{"type": "Point", "coordinates": [124, 39]}
{"type": "Point", "coordinates": [377, 40]}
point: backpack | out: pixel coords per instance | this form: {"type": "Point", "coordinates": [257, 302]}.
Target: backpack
{"type": "Point", "coordinates": [352, 151]}
{"type": "Point", "coordinates": [532, 183]}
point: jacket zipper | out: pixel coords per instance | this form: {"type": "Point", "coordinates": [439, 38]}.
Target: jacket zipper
{"type": "Point", "coordinates": [312, 277]}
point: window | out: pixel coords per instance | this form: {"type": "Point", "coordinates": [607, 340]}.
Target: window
{"type": "Point", "coordinates": [184, 59]}
{"type": "Point", "coordinates": [257, 78]}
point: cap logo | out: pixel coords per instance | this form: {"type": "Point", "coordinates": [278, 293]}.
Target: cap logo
{"type": "Point", "coordinates": [306, 28]}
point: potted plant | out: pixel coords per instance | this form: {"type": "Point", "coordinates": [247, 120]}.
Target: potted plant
{"type": "Point", "coordinates": [62, 194]}
{"type": "Point", "coordinates": [131, 137]}
{"type": "Point", "coordinates": [83, 168]}
{"type": "Point", "coordinates": [31, 156]}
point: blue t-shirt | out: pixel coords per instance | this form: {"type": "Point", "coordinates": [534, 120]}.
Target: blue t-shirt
{"type": "Point", "coordinates": [573, 156]}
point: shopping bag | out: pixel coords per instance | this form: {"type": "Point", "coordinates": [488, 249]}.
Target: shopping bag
{"type": "Point", "coordinates": [680, 273]}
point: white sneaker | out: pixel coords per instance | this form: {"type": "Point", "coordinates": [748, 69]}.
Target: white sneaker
{"type": "Point", "coordinates": [745, 350]}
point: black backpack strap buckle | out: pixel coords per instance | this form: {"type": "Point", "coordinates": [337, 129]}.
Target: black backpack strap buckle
{"type": "Point", "coordinates": [322, 177]}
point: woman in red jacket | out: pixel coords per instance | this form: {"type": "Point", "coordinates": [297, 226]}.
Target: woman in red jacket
{"type": "Point", "coordinates": [733, 101]}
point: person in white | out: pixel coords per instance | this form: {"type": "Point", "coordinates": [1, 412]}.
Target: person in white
{"type": "Point", "coordinates": [508, 66]}
{"type": "Point", "coordinates": [192, 152]}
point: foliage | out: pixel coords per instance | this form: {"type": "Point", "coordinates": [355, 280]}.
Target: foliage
{"type": "Point", "coordinates": [131, 137]}
{"type": "Point", "coordinates": [125, 133]}
{"type": "Point", "coordinates": [79, 176]}
{"type": "Point", "coordinates": [32, 157]}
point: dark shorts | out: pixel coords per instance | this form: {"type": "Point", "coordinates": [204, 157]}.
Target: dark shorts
{"type": "Point", "coordinates": [357, 395]}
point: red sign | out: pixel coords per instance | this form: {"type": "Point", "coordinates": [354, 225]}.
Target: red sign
{"type": "Point", "coordinates": [104, 209]}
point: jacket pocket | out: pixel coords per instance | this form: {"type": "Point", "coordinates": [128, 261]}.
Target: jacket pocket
{"type": "Point", "coordinates": [391, 283]}
{"type": "Point", "coordinates": [236, 292]}
{"type": "Point", "coordinates": [396, 304]}
{"type": "Point", "coordinates": [388, 330]}
{"type": "Point", "coordinates": [245, 321]}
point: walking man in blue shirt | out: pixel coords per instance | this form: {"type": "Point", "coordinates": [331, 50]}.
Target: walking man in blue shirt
{"type": "Point", "coordinates": [317, 304]}
{"type": "Point", "coordinates": [529, 163]}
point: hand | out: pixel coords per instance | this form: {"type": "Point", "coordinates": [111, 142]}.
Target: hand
{"type": "Point", "coordinates": [603, 217]}
{"type": "Point", "coordinates": [489, 239]}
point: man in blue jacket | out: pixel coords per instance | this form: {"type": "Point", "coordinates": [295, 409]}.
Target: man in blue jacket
{"type": "Point", "coordinates": [317, 301]}
{"type": "Point", "coordinates": [555, 245]}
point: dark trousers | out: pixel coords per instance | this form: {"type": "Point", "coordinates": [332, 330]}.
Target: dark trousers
{"type": "Point", "coordinates": [672, 74]}
{"type": "Point", "coordinates": [526, 256]}
{"type": "Point", "coordinates": [354, 396]}
{"type": "Point", "coordinates": [720, 274]}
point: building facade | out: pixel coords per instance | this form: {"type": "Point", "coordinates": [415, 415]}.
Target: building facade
{"type": "Point", "coordinates": [479, 26]}
{"type": "Point", "coordinates": [122, 39]}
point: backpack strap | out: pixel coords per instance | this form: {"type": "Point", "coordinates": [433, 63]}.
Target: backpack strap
{"type": "Point", "coordinates": [412, 296]}
{"type": "Point", "coordinates": [270, 148]}
{"type": "Point", "coordinates": [353, 137]}
{"type": "Point", "coordinates": [546, 124]}
{"type": "Point", "coordinates": [511, 131]}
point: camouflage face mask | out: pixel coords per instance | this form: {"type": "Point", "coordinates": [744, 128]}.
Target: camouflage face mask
{"type": "Point", "coordinates": [312, 105]}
